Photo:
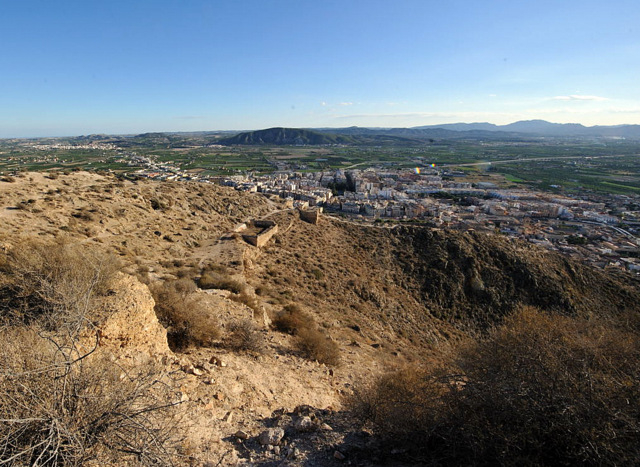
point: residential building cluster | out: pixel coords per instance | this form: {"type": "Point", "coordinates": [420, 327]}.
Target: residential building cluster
{"type": "Point", "coordinates": [599, 229]}
{"type": "Point", "coordinates": [594, 228]}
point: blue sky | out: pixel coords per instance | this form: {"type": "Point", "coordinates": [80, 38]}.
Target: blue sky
{"type": "Point", "coordinates": [77, 67]}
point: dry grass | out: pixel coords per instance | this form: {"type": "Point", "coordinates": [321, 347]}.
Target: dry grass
{"type": "Point", "coordinates": [310, 341]}
{"type": "Point", "coordinates": [53, 282]}
{"type": "Point", "coordinates": [213, 280]}
{"type": "Point", "coordinates": [248, 299]}
{"type": "Point", "coordinates": [57, 410]}
{"type": "Point", "coordinates": [292, 319]}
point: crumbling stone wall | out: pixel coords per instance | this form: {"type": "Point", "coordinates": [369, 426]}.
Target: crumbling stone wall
{"type": "Point", "coordinates": [310, 215]}
{"type": "Point", "coordinates": [261, 238]}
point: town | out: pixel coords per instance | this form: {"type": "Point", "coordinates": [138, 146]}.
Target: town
{"type": "Point", "coordinates": [596, 227]}
{"type": "Point", "coordinates": [600, 229]}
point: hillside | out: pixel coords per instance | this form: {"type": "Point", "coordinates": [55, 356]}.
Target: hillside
{"type": "Point", "coordinates": [422, 286]}
{"type": "Point", "coordinates": [234, 316]}
{"type": "Point", "coordinates": [285, 136]}
{"type": "Point", "coordinates": [302, 137]}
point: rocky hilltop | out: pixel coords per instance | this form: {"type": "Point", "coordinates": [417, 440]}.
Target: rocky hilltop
{"type": "Point", "coordinates": [286, 136]}
{"type": "Point", "coordinates": [261, 346]}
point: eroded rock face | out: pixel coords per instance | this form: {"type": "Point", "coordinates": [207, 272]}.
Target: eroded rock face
{"type": "Point", "coordinates": [132, 330]}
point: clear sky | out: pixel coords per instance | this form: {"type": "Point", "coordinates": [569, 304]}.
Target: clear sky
{"type": "Point", "coordinates": [71, 67]}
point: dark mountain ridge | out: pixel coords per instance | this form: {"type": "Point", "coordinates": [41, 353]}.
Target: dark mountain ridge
{"type": "Point", "coordinates": [529, 130]}
{"type": "Point", "coordinates": [286, 136]}
{"type": "Point", "coordinates": [544, 128]}
{"type": "Point", "coordinates": [517, 131]}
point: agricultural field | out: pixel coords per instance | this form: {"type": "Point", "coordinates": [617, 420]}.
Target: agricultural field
{"type": "Point", "coordinates": [605, 174]}
{"type": "Point", "coordinates": [611, 166]}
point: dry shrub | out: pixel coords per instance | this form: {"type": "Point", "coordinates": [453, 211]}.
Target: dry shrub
{"type": "Point", "coordinates": [316, 345]}
{"type": "Point", "coordinates": [538, 390]}
{"type": "Point", "coordinates": [292, 319]}
{"type": "Point", "coordinates": [187, 321]}
{"type": "Point", "coordinates": [245, 335]}
{"type": "Point", "coordinates": [54, 282]}
{"type": "Point", "coordinates": [186, 273]}
{"type": "Point", "coordinates": [160, 204]}
{"type": "Point", "coordinates": [247, 299]}
{"type": "Point", "coordinates": [313, 343]}
{"type": "Point", "coordinates": [59, 410]}
{"type": "Point", "coordinates": [60, 404]}
{"type": "Point", "coordinates": [213, 280]}
{"type": "Point", "coordinates": [402, 403]}
{"type": "Point", "coordinates": [217, 268]}
{"type": "Point", "coordinates": [84, 214]}
{"type": "Point", "coordinates": [26, 204]}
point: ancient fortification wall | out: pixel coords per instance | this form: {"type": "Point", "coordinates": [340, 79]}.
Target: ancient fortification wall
{"type": "Point", "coordinates": [270, 228]}
{"type": "Point", "coordinates": [310, 215]}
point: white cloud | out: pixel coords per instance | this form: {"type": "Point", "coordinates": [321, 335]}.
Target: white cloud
{"type": "Point", "coordinates": [579, 97]}
{"type": "Point", "coordinates": [345, 103]}
{"type": "Point", "coordinates": [435, 117]}
{"type": "Point", "coordinates": [626, 111]}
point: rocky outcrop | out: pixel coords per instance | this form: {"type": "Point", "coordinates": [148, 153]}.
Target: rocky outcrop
{"type": "Point", "coordinates": [131, 330]}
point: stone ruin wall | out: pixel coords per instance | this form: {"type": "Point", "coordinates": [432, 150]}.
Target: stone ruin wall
{"type": "Point", "coordinates": [261, 238]}
{"type": "Point", "coordinates": [310, 215]}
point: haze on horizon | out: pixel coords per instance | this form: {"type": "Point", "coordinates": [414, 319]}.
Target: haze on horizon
{"type": "Point", "coordinates": [75, 67]}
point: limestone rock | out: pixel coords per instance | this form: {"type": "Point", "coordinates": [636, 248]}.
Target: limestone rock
{"type": "Point", "coordinates": [241, 434]}
{"type": "Point", "coordinates": [132, 330]}
{"type": "Point", "coordinates": [271, 436]}
{"type": "Point", "coordinates": [304, 424]}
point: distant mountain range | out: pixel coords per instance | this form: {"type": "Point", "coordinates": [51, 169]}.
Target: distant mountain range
{"type": "Point", "coordinates": [530, 130]}
{"type": "Point", "coordinates": [522, 130]}
{"type": "Point", "coordinates": [544, 128]}
{"type": "Point", "coordinates": [299, 136]}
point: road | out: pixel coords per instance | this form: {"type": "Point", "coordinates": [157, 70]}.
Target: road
{"type": "Point", "coordinates": [471, 164]}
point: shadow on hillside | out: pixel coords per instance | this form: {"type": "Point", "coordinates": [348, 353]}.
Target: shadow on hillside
{"type": "Point", "coordinates": [313, 437]}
